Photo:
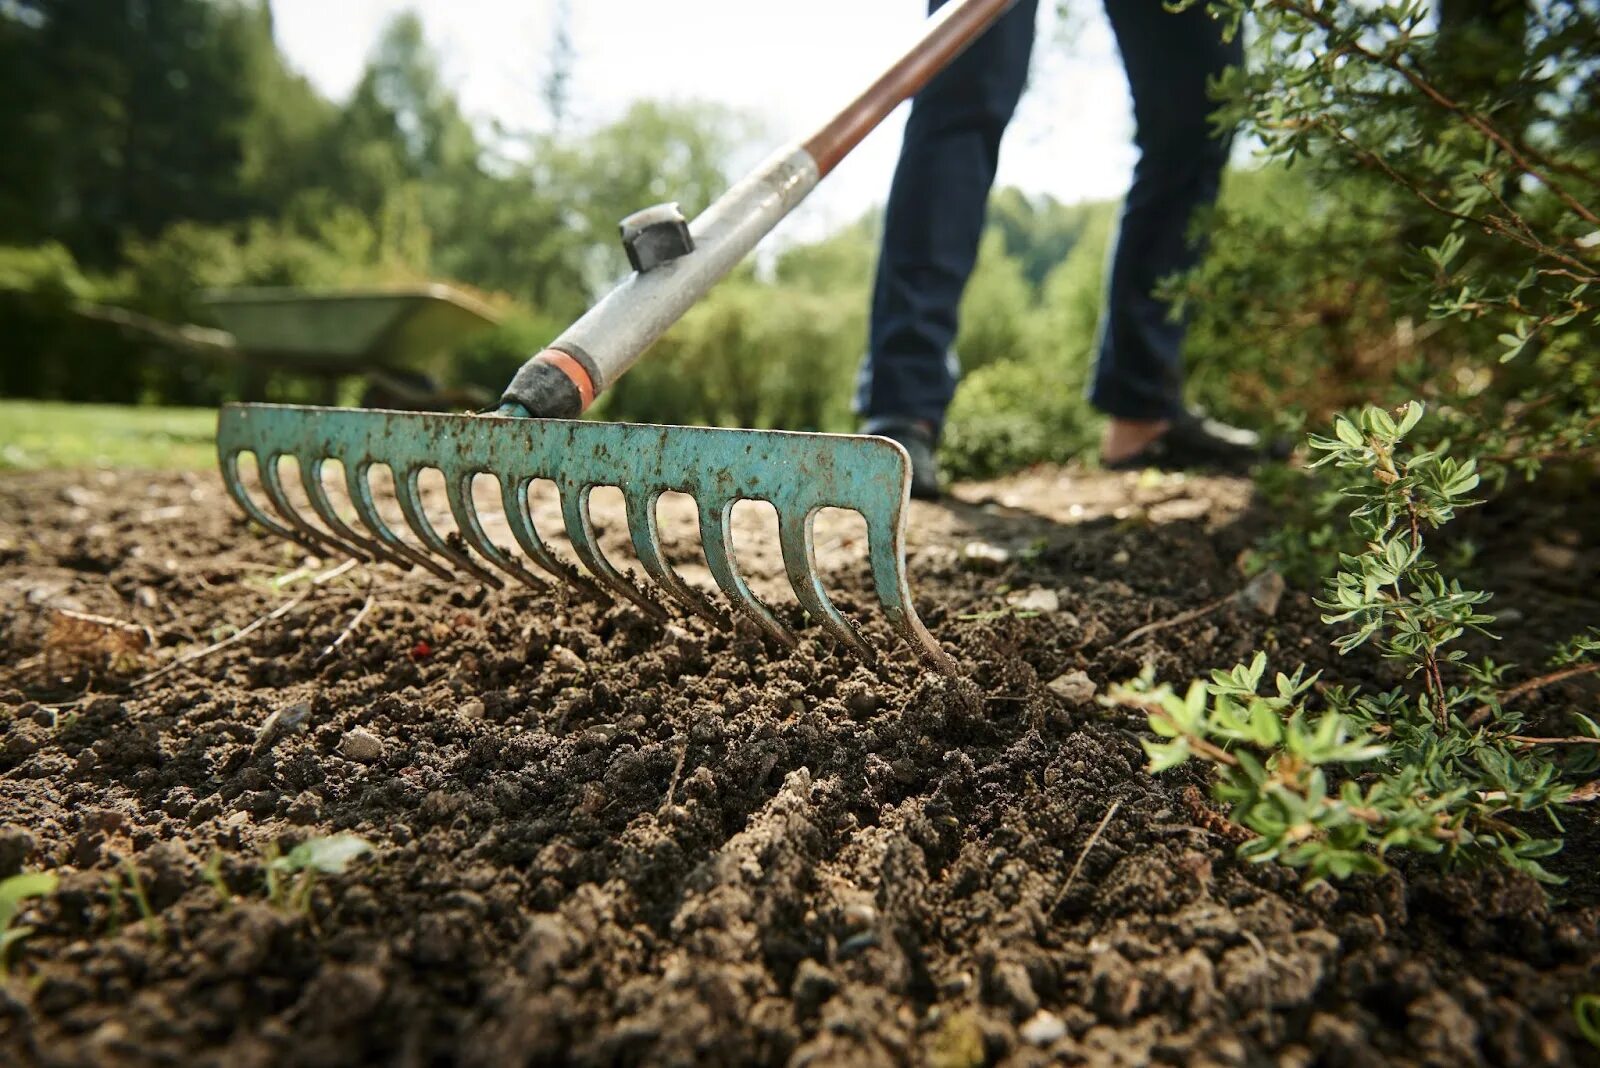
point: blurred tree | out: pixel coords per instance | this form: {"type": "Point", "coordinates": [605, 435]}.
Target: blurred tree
{"type": "Point", "coordinates": [123, 116]}
{"type": "Point", "coordinates": [1040, 232]}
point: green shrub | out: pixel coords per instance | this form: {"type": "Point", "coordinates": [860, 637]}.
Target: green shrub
{"type": "Point", "coordinates": [1330, 778]}
{"type": "Point", "coordinates": [1011, 414]}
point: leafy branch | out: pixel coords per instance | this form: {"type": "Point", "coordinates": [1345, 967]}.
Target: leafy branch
{"type": "Point", "coordinates": [1333, 789]}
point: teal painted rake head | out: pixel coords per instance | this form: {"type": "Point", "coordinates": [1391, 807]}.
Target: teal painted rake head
{"type": "Point", "coordinates": [798, 473]}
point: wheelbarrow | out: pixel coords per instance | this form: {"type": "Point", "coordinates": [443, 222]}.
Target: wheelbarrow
{"type": "Point", "coordinates": [394, 338]}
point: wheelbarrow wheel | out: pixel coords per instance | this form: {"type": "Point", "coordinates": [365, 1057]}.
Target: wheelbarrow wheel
{"type": "Point", "coordinates": [402, 390]}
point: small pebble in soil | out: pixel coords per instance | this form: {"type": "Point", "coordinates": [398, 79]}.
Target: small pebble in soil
{"type": "Point", "coordinates": [1036, 599]}
{"type": "Point", "coordinates": [473, 709]}
{"type": "Point", "coordinates": [361, 746]}
{"type": "Point", "coordinates": [280, 724]}
{"type": "Point", "coordinates": [564, 659]}
{"type": "Point", "coordinates": [982, 555]}
{"type": "Point", "coordinates": [1074, 686]}
{"type": "Point", "coordinates": [856, 943]}
{"type": "Point", "coordinates": [1043, 1028]}
{"type": "Point", "coordinates": [859, 917]}
{"type": "Point", "coordinates": [1262, 593]}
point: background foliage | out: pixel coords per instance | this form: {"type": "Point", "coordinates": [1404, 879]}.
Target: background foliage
{"type": "Point", "coordinates": [162, 150]}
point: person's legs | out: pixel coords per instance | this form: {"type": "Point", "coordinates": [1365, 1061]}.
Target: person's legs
{"type": "Point", "coordinates": [1169, 57]}
{"type": "Point", "coordinates": [933, 223]}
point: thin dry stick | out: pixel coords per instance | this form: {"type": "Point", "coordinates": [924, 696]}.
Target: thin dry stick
{"type": "Point", "coordinates": [1522, 689]}
{"type": "Point", "coordinates": [1072, 876]}
{"type": "Point", "coordinates": [276, 613]}
{"type": "Point", "coordinates": [1162, 624]}
{"type": "Point", "coordinates": [672, 787]}
{"type": "Point", "coordinates": [1571, 739]}
{"type": "Point", "coordinates": [348, 630]}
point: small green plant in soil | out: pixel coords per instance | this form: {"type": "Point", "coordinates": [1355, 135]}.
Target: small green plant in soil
{"type": "Point", "coordinates": [126, 881]}
{"type": "Point", "coordinates": [13, 892]}
{"type": "Point", "coordinates": [291, 876]}
{"type": "Point", "coordinates": [1586, 1011]}
{"type": "Point", "coordinates": [1330, 778]}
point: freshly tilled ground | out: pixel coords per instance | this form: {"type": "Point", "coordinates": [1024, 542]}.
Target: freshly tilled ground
{"type": "Point", "coordinates": [600, 839]}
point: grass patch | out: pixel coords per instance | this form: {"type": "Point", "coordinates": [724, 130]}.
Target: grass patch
{"type": "Point", "coordinates": [37, 435]}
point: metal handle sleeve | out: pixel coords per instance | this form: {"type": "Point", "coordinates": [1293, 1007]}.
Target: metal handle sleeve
{"type": "Point", "coordinates": [592, 353]}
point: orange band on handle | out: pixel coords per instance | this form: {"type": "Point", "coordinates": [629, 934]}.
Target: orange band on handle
{"type": "Point", "coordinates": [574, 370]}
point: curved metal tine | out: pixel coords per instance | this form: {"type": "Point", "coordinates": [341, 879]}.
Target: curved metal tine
{"type": "Point", "coordinates": [514, 496]}
{"type": "Point", "coordinates": [794, 535]}
{"type": "Point", "coordinates": [646, 534]}
{"type": "Point", "coordinates": [311, 482]}
{"type": "Point", "coordinates": [280, 503]}
{"type": "Point", "coordinates": [459, 493]}
{"type": "Point", "coordinates": [580, 532]}
{"type": "Point", "coordinates": [407, 491]}
{"type": "Point", "coordinates": [235, 487]}
{"type": "Point", "coordinates": [886, 542]}
{"type": "Point", "coordinates": [355, 480]}
{"type": "Point", "coordinates": [716, 537]}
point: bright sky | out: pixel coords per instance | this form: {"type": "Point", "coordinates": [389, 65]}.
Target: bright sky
{"type": "Point", "coordinates": [788, 64]}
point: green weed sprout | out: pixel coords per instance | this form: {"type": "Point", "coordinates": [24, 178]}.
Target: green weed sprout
{"type": "Point", "coordinates": [1434, 765]}
{"type": "Point", "coordinates": [291, 876]}
{"type": "Point", "coordinates": [13, 892]}
{"type": "Point", "coordinates": [1586, 1012]}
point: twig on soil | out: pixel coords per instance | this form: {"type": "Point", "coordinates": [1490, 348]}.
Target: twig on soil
{"type": "Point", "coordinates": [277, 613]}
{"type": "Point", "coordinates": [1589, 791]}
{"type": "Point", "coordinates": [1209, 819]}
{"type": "Point", "coordinates": [1172, 621]}
{"type": "Point", "coordinates": [349, 629]}
{"type": "Point", "coordinates": [1072, 876]}
{"type": "Point", "coordinates": [677, 770]}
{"type": "Point", "coordinates": [1522, 689]}
{"type": "Point", "coordinates": [1571, 739]}
{"type": "Point", "coordinates": [333, 572]}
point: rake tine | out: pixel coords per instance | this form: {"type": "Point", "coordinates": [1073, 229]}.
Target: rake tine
{"type": "Point", "coordinates": [459, 493]}
{"type": "Point", "coordinates": [280, 503]}
{"type": "Point", "coordinates": [311, 481]}
{"type": "Point", "coordinates": [716, 537]}
{"type": "Point", "coordinates": [646, 534]}
{"type": "Point", "coordinates": [514, 497]}
{"type": "Point", "coordinates": [794, 536]}
{"type": "Point", "coordinates": [406, 490]}
{"type": "Point", "coordinates": [235, 487]}
{"type": "Point", "coordinates": [886, 546]}
{"type": "Point", "coordinates": [355, 480]}
{"type": "Point", "coordinates": [580, 532]}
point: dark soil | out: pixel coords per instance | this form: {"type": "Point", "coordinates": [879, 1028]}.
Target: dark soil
{"type": "Point", "coordinates": [601, 840]}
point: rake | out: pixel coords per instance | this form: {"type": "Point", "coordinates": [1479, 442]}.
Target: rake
{"type": "Point", "coordinates": [536, 434]}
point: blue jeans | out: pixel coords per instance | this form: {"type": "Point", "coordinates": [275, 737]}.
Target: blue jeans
{"type": "Point", "coordinates": [936, 209]}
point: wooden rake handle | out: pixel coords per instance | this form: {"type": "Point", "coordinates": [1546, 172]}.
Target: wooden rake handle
{"type": "Point", "coordinates": [591, 354]}
{"type": "Point", "coordinates": [946, 35]}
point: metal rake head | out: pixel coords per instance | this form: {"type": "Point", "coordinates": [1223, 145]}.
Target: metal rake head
{"type": "Point", "coordinates": [797, 473]}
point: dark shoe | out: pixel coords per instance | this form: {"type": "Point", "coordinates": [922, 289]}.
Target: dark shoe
{"type": "Point", "coordinates": [1196, 443]}
{"type": "Point", "coordinates": [919, 443]}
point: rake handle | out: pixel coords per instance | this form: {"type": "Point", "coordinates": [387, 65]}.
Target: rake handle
{"type": "Point", "coordinates": [946, 35]}
{"type": "Point", "coordinates": [592, 353]}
